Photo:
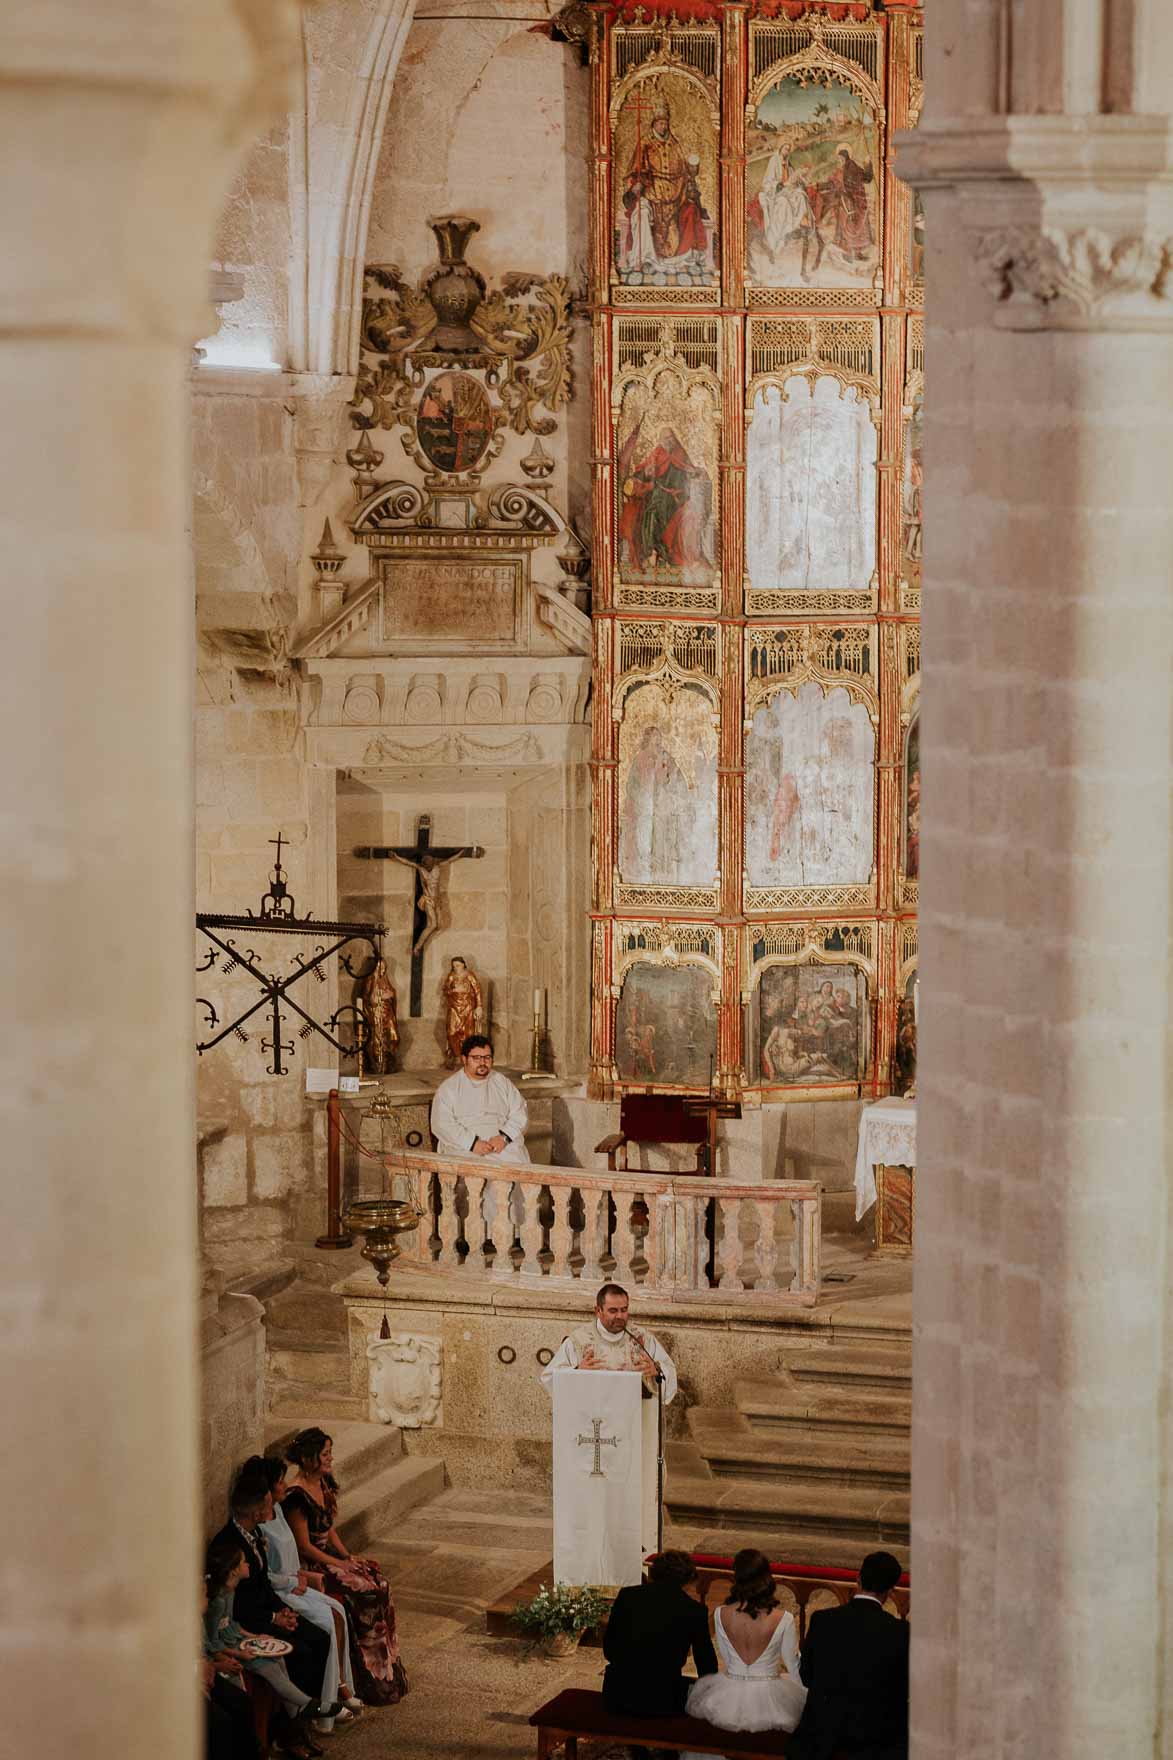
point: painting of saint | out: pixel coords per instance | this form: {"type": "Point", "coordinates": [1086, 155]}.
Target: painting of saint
{"type": "Point", "coordinates": [810, 487]}
{"type": "Point", "coordinates": [667, 788]}
{"type": "Point", "coordinates": [904, 1056]}
{"type": "Point", "coordinates": [809, 790]}
{"type": "Point", "coordinates": [666, 149]}
{"type": "Point", "coordinates": [812, 189]}
{"type": "Point", "coordinates": [454, 422]}
{"type": "Point", "coordinates": [910, 494]}
{"type": "Point", "coordinates": [912, 803]}
{"type": "Point", "coordinates": [665, 469]}
{"type": "Point", "coordinates": [666, 1026]}
{"type": "Point", "coordinates": [813, 1024]}
{"type": "Point", "coordinates": [916, 239]}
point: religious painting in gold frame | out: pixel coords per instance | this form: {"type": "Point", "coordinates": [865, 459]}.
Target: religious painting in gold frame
{"type": "Point", "coordinates": [809, 1009]}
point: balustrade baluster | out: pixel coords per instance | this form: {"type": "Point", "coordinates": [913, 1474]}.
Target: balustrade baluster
{"type": "Point", "coordinates": [446, 1225]}
{"type": "Point", "coordinates": [561, 1233]}
{"type": "Point", "coordinates": [530, 1230]}
{"type": "Point", "coordinates": [474, 1228]}
{"type": "Point", "coordinates": [624, 1242]}
{"type": "Point", "coordinates": [731, 1215]}
{"type": "Point", "coordinates": [766, 1249]}
{"type": "Point", "coordinates": [498, 1225]}
{"type": "Point", "coordinates": [594, 1234]}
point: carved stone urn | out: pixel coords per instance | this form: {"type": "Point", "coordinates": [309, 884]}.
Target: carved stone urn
{"type": "Point", "coordinates": [454, 289]}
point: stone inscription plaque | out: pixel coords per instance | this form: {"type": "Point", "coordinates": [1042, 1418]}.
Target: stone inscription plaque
{"type": "Point", "coordinates": [450, 606]}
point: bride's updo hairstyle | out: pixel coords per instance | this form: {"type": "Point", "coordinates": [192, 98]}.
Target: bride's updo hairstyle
{"type": "Point", "coordinates": [753, 1590]}
{"type": "Point", "coordinates": [306, 1448]}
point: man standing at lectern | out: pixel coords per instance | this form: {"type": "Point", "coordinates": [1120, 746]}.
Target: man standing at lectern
{"type": "Point", "coordinates": [609, 1342]}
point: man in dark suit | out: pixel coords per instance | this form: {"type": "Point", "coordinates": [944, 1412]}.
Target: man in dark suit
{"type": "Point", "coordinates": [258, 1607]}
{"type": "Point", "coordinates": [652, 1628]}
{"type": "Point", "coordinates": [855, 1668]}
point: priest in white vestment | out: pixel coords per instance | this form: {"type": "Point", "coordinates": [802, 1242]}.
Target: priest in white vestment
{"type": "Point", "coordinates": [478, 1111]}
{"type": "Point", "coordinates": [610, 1342]}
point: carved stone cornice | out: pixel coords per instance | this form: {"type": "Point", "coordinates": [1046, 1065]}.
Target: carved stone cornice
{"type": "Point", "coordinates": [1069, 219]}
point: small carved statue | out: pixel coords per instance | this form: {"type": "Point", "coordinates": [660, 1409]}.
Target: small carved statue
{"type": "Point", "coordinates": [466, 1008]}
{"type": "Point", "coordinates": [382, 1024]}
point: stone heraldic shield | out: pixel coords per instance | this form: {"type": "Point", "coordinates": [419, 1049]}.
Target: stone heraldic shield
{"type": "Point", "coordinates": [598, 1477]}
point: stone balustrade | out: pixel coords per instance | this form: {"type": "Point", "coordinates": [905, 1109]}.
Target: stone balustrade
{"type": "Point", "coordinates": [561, 1228]}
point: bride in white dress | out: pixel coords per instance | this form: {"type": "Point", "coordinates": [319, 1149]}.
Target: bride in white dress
{"type": "Point", "coordinates": [757, 1643]}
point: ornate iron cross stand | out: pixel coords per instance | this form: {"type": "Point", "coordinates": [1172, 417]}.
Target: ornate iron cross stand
{"type": "Point", "coordinates": [427, 862]}
{"type": "Point", "coordinates": [278, 917]}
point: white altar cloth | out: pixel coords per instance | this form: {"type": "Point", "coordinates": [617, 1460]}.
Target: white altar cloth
{"type": "Point", "coordinates": [601, 1475]}
{"type": "Point", "coordinates": [887, 1138]}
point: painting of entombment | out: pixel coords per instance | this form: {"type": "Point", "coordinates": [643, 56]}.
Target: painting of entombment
{"type": "Point", "coordinates": [812, 187]}
{"type": "Point", "coordinates": [454, 422]}
{"type": "Point", "coordinates": [666, 476]}
{"type": "Point", "coordinates": [665, 168]}
{"type": "Point", "coordinates": [668, 787]}
{"type": "Point", "coordinates": [904, 1054]}
{"type": "Point", "coordinates": [912, 803]}
{"type": "Point", "coordinates": [666, 1026]}
{"type": "Point", "coordinates": [910, 493]}
{"type": "Point", "coordinates": [809, 790]}
{"type": "Point", "coordinates": [813, 1024]}
{"type": "Point", "coordinates": [810, 514]}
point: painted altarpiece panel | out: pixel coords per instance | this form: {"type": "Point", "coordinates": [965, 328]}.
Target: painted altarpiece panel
{"type": "Point", "coordinates": [911, 815]}
{"type": "Point", "coordinates": [812, 1025]}
{"type": "Point", "coordinates": [667, 788]}
{"type": "Point", "coordinates": [666, 1026]}
{"type": "Point", "coordinates": [814, 180]}
{"type": "Point", "coordinates": [667, 424]}
{"type": "Point", "coordinates": [665, 126]}
{"type": "Point", "coordinates": [810, 487]}
{"type": "Point", "coordinates": [912, 468]}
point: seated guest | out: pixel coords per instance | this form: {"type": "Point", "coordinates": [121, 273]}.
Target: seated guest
{"type": "Point", "coordinates": [259, 1608]}
{"type": "Point", "coordinates": [302, 1590]}
{"type": "Point", "coordinates": [224, 1641]}
{"type": "Point", "coordinates": [230, 1726]}
{"type": "Point", "coordinates": [756, 1637]}
{"type": "Point", "coordinates": [855, 1666]}
{"type": "Point", "coordinates": [310, 1507]}
{"type": "Point", "coordinates": [652, 1628]}
{"type": "Point", "coordinates": [478, 1111]}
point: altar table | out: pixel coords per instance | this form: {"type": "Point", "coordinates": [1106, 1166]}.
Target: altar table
{"type": "Point", "coordinates": [887, 1144]}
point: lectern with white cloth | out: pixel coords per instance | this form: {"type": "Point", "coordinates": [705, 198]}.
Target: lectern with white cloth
{"type": "Point", "coordinates": [605, 1449]}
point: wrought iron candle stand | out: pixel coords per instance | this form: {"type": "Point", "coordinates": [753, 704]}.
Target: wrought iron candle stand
{"type": "Point", "coordinates": [277, 916]}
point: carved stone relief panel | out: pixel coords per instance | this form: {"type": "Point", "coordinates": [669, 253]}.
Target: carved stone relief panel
{"type": "Point", "coordinates": [405, 1379]}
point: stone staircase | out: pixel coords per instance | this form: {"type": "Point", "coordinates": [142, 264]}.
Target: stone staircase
{"type": "Point", "coordinates": [811, 1462]}
{"type": "Point", "coordinates": [380, 1483]}
{"type": "Point", "coordinates": [308, 1356]}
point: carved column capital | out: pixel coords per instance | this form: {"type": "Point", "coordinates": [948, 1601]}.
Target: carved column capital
{"type": "Point", "coordinates": [1075, 278]}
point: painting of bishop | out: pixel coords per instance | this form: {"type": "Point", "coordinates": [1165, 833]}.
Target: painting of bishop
{"type": "Point", "coordinates": [665, 474]}
{"type": "Point", "coordinates": [667, 788]}
{"type": "Point", "coordinates": [666, 1026]}
{"type": "Point", "coordinates": [910, 494]}
{"type": "Point", "coordinates": [812, 187]}
{"type": "Point", "coordinates": [665, 154]}
{"type": "Point", "coordinates": [813, 1024]}
{"type": "Point", "coordinates": [809, 790]}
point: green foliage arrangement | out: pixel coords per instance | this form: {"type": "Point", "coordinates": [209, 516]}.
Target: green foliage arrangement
{"type": "Point", "coordinates": [561, 1611]}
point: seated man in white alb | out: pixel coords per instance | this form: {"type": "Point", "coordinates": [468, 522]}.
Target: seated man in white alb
{"type": "Point", "coordinates": [607, 1342]}
{"type": "Point", "coordinates": [478, 1111]}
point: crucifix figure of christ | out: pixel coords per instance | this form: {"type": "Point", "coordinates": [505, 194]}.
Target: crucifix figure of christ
{"type": "Point", "coordinates": [598, 1442]}
{"type": "Point", "coordinates": [429, 864]}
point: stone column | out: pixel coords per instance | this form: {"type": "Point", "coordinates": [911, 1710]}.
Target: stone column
{"type": "Point", "coordinates": [119, 125]}
{"type": "Point", "coordinates": [1040, 1361]}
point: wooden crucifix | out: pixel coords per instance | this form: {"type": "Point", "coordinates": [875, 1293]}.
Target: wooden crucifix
{"type": "Point", "coordinates": [428, 863]}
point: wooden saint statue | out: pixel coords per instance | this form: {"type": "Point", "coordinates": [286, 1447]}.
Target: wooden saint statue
{"type": "Point", "coordinates": [466, 1008]}
{"type": "Point", "coordinates": [382, 1024]}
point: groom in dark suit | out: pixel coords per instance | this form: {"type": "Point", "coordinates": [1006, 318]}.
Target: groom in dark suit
{"type": "Point", "coordinates": [652, 1628]}
{"type": "Point", "coordinates": [855, 1669]}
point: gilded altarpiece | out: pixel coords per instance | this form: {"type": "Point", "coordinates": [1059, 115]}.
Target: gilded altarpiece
{"type": "Point", "coordinates": [758, 381]}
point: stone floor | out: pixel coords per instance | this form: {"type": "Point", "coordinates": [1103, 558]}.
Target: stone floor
{"type": "Point", "coordinates": [471, 1694]}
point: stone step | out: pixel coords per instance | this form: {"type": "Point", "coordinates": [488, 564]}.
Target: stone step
{"type": "Point", "coordinates": [853, 1365]}
{"type": "Point", "coordinates": [298, 1356]}
{"type": "Point", "coordinates": [324, 1266]}
{"type": "Point", "coordinates": [383, 1501]}
{"type": "Point", "coordinates": [361, 1449]}
{"type": "Point", "coordinates": [838, 1214]}
{"type": "Point", "coordinates": [772, 1405]}
{"type": "Point", "coordinates": [730, 1448]}
{"type": "Point", "coordinates": [297, 1404]}
{"type": "Point", "coordinates": [308, 1309]}
{"type": "Point", "coordinates": [856, 1515]}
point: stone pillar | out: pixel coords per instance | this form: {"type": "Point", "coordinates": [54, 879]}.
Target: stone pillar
{"type": "Point", "coordinates": [1040, 1360]}
{"type": "Point", "coordinates": [119, 125]}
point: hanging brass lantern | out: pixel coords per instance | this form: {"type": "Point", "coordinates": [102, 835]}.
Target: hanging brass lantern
{"type": "Point", "coordinates": [378, 1221]}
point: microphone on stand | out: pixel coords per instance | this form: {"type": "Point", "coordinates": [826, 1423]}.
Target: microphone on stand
{"type": "Point", "coordinates": [647, 1353]}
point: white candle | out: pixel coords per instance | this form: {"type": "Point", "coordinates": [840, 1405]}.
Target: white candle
{"type": "Point", "coordinates": [537, 1008]}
